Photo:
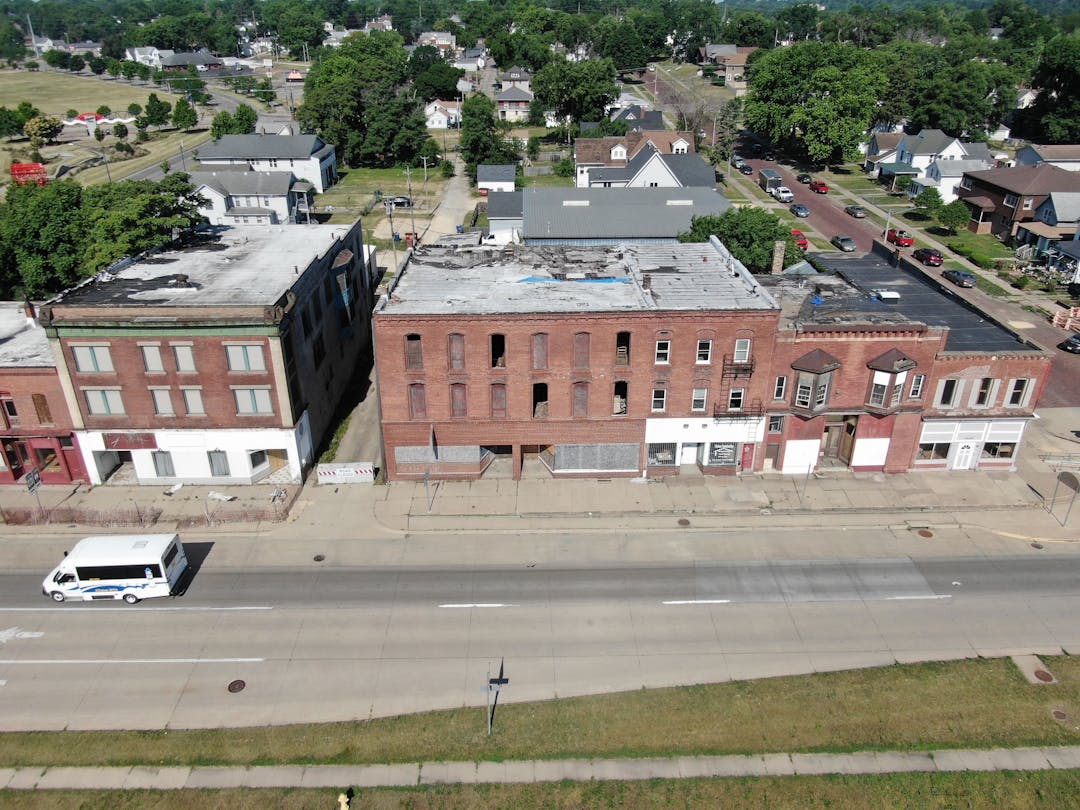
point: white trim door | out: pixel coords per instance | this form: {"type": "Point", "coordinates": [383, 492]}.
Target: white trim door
{"type": "Point", "coordinates": [965, 455]}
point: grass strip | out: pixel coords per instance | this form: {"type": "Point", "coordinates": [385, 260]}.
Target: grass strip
{"type": "Point", "coordinates": [918, 791]}
{"type": "Point", "coordinates": [959, 704]}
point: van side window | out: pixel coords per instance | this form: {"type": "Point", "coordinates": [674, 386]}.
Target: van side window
{"type": "Point", "coordinates": [62, 578]}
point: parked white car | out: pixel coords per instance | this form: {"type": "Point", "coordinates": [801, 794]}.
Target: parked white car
{"type": "Point", "coordinates": [783, 194]}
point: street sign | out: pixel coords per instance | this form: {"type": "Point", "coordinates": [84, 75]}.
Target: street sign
{"type": "Point", "coordinates": [33, 480]}
{"type": "Point", "coordinates": [495, 685]}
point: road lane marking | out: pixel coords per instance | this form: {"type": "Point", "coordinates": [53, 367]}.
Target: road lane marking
{"type": "Point", "coordinates": [697, 602]}
{"type": "Point", "coordinates": [68, 661]}
{"type": "Point", "coordinates": [478, 605]}
{"type": "Point", "coordinates": [128, 608]}
{"type": "Point", "coordinates": [914, 598]}
{"type": "Point", "coordinates": [15, 632]}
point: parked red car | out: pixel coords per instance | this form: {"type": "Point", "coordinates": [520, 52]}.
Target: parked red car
{"type": "Point", "coordinates": [819, 186]}
{"type": "Point", "coordinates": [899, 237]}
{"type": "Point", "coordinates": [929, 256]}
{"type": "Point", "coordinates": [800, 240]}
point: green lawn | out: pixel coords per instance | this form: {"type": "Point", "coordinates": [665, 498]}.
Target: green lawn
{"type": "Point", "coordinates": [549, 181]}
{"type": "Point", "coordinates": [1031, 790]}
{"type": "Point", "coordinates": [983, 243]}
{"type": "Point", "coordinates": [55, 93]}
{"type": "Point", "coordinates": [972, 703]}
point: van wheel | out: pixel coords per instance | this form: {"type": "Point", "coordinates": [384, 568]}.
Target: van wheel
{"type": "Point", "coordinates": [130, 598]}
{"type": "Point", "coordinates": [57, 596]}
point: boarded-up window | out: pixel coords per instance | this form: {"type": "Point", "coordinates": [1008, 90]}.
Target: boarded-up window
{"type": "Point", "coordinates": [41, 405]}
{"type": "Point", "coordinates": [458, 406]}
{"type": "Point", "coordinates": [581, 350]}
{"type": "Point", "coordinates": [417, 402]}
{"type": "Point", "coordinates": [498, 401]}
{"type": "Point", "coordinates": [540, 351]}
{"type": "Point", "coordinates": [581, 399]}
{"type": "Point", "coordinates": [457, 352]}
{"type": "Point", "coordinates": [414, 354]}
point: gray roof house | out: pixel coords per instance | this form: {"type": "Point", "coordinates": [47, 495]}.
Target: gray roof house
{"type": "Point", "coordinates": [1056, 221]}
{"type": "Point", "coordinates": [238, 196]}
{"type": "Point", "coordinates": [307, 157]}
{"type": "Point", "coordinates": [945, 175]}
{"type": "Point", "coordinates": [638, 118]}
{"type": "Point", "coordinates": [651, 168]}
{"type": "Point", "coordinates": [593, 216]}
{"type": "Point", "coordinates": [496, 177]}
{"type": "Point", "coordinates": [1063, 155]}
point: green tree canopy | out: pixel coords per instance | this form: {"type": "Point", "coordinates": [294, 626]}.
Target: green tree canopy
{"type": "Point", "coordinates": [157, 111]}
{"type": "Point", "coordinates": [749, 233]}
{"type": "Point", "coordinates": [817, 97]}
{"type": "Point", "coordinates": [580, 91]}
{"type": "Point", "coordinates": [438, 81]}
{"type": "Point", "coordinates": [184, 115]}
{"type": "Point", "coordinates": [480, 139]}
{"type": "Point", "coordinates": [42, 129]}
{"type": "Point", "coordinates": [1055, 115]}
{"type": "Point", "coordinates": [954, 216]}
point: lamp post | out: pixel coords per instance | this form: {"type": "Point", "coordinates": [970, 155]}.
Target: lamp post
{"type": "Point", "coordinates": [183, 163]}
{"type": "Point", "coordinates": [105, 158]}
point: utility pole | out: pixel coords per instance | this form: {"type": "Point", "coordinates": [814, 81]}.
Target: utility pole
{"type": "Point", "coordinates": [412, 202]}
{"type": "Point", "coordinates": [393, 241]}
{"type": "Point", "coordinates": [33, 39]}
{"type": "Point", "coordinates": [425, 158]}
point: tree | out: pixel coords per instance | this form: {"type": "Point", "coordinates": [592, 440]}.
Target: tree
{"type": "Point", "coordinates": [438, 81]}
{"type": "Point", "coordinates": [11, 41]}
{"type": "Point", "coordinates": [10, 123]}
{"type": "Point", "coordinates": [532, 148]}
{"type": "Point", "coordinates": [818, 97]}
{"type": "Point", "coordinates": [42, 227]}
{"type": "Point", "coordinates": [727, 126]}
{"type": "Point", "coordinates": [422, 58]}
{"type": "Point", "coordinates": [157, 111]}
{"type": "Point", "coordinates": [1055, 115]}
{"type": "Point", "coordinates": [42, 129]}
{"type": "Point", "coordinates": [954, 216]}
{"type": "Point", "coordinates": [57, 59]}
{"type": "Point", "coordinates": [184, 115]}
{"type": "Point", "coordinates": [446, 168]}
{"type": "Point", "coordinates": [76, 64]}
{"type": "Point", "coordinates": [749, 233]}
{"type": "Point", "coordinates": [929, 201]}
{"type": "Point", "coordinates": [244, 120]}
{"type": "Point", "coordinates": [480, 141]}
{"type": "Point", "coordinates": [120, 130]}
{"type": "Point", "coordinates": [624, 47]}
{"type": "Point", "coordinates": [99, 134]}
{"type": "Point", "coordinates": [221, 125]}
{"type": "Point", "coordinates": [579, 91]}
{"type": "Point", "coordinates": [134, 109]}
{"type": "Point", "coordinates": [98, 64]}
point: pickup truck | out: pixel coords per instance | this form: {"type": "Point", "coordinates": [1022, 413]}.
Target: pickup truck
{"type": "Point", "coordinates": [782, 194]}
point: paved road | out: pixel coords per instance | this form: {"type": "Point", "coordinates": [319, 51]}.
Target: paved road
{"type": "Point", "coordinates": [344, 643]}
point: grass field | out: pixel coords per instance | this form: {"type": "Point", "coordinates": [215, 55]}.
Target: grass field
{"type": "Point", "coordinates": [1039, 790]}
{"type": "Point", "coordinates": [972, 703]}
{"type": "Point", "coordinates": [55, 93]}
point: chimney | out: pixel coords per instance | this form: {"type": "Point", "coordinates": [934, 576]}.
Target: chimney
{"type": "Point", "coordinates": [646, 281]}
{"type": "Point", "coordinates": [779, 247]}
{"type": "Point", "coordinates": [30, 312]}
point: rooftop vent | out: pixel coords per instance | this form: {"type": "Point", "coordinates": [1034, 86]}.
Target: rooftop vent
{"type": "Point", "coordinates": [578, 203]}
{"type": "Point", "coordinates": [680, 202]}
{"type": "Point", "coordinates": [181, 280]}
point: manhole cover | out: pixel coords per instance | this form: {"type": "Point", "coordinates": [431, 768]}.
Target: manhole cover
{"type": "Point", "coordinates": [1043, 675]}
{"type": "Point", "coordinates": [236, 686]}
{"type": "Point", "coordinates": [684, 522]}
{"type": "Point", "coordinates": [319, 557]}
{"type": "Point", "coordinates": [925, 533]}
{"type": "Point", "coordinates": [1060, 715]}
{"type": "Point", "coordinates": [1037, 545]}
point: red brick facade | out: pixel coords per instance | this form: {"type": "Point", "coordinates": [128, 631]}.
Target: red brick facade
{"type": "Point", "coordinates": [36, 428]}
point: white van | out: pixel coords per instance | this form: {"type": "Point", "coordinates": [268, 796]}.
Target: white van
{"type": "Point", "coordinates": [126, 566]}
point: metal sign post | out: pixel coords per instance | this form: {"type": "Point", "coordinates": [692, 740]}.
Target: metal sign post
{"type": "Point", "coordinates": [1070, 481]}
{"type": "Point", "coordinates": [494, 685]}
{"type": "Point", "coordinates": [33, 483]}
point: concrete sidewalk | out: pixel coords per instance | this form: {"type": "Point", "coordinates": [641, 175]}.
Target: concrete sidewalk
{"type": "Point", "coordinates": [412, 774]}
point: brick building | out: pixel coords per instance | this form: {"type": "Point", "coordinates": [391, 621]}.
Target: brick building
{"type": "Point", "coordinates": [594, 361]}
{"type": "Point", "coordinates": [222, 361]}
{"type": "Point", "coordinates": [638, 359]}
{"type": "Point", "coordinates": [35, 426]}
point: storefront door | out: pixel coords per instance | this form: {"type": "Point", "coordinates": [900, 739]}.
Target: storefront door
{"type": "Point", "coordinates": [965, 453]}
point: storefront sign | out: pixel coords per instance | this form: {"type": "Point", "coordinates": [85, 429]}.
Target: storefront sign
{"type": "Point", "coordinates": [129, 441]}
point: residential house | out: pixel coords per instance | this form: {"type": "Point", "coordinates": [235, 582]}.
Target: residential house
{"type": "Point", "coordinates": [505, 218]}
{"type": "Point", "coordinates": [1057, 218]}
{"type": "Point", "coordinates": [916, 154]}
{"type": "Point", "coordinates": [1064, 156]}
{"type": "Point", "coordinates": [881, 149]}
{"type": "Point", "coordinates": [516, 77]}
{"type": "Point", "coordinates": [84, 47]}
{"type": "Point", "coordinates": [1002, 199]}
{"type": "Point", "coordinates": [584, 362]}
{"type": "Point", "coordinates": [443, 114]}
{"type": "Point", "coordinates": [148, 55]}
{"type": "Point", "coordinates": [307, 157]}
{"type": "Point", "coordinates": [651, 168]}
{"type": "Point", "coordinates": [240, 196]}
{"type": "Point", "coordinates": [616, 152]}
{"type": "Point", "coordinates": [637, 117]}
{"type": "Point", "coordinates": [599, 216]}
{"type": "Point", "coordinates": [495, 178]}
{"type": "Point", "coordinates": [732, 59]}
{"type": "Point", "coordinates": [382, 23]}
{"type": "Point", "coordinates": [36, 429]}
{"type": "Point", "coordinates": [945, 176]}
{"type": "Point", "coordinates": [513, 104]}
{"type": "Point", "coordinates": [443, 40]}
{"type": "Point", "coordinates": [220, 362]}
{"type": "Point", "coordinates": [471, 60]}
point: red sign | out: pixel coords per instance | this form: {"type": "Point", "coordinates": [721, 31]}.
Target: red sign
{"type": "Point", "coordinates": [129, 441]}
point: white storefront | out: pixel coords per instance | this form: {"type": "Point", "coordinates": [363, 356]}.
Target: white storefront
{"type": "Point", "coordinates": [702, 440]}
{"type": "Point", "coordinates": [198, 456]}
{"type": "Point", "coordinates": [969, 444]}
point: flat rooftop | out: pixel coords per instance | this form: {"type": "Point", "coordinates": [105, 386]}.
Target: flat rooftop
{"type": "Point", "coordinates": [249, 266]}
{"type": "Point", "coordinates": [22, 344]}
{"type": "Point", "coordinates": [489, 280]}
{"type": "Point", "coordinates": [868, 290]}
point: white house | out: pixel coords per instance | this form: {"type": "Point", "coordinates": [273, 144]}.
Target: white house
{"type": "Point", "coordinates": [149, 56]}
{"type": "Point", "coordinates": [1064, 156]}
{"type": "Point", "coordinates": [513, 104]}
{"type": "Point", "coordinates": [493, 178]}
{"type": "Point", "coordinates": [651, 168]}
{"type": "Point", "coordinates": [307, 157]}
{"type": "Point", "coordinates": [443, 114]}
{"type": "Point", "coordinates": [616, 152]}
{"type": "Point", "coordinates": [244, 197]}
{"type": "Point", "coordinates": [945, 176]}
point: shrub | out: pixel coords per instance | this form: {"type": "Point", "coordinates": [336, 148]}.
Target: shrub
{"type": "Point", "coordinates": [565, 167]}
{"type": "Point", "coordinates": [447, 168]}
{"type": "Point", "coordinates": [1022, 282]}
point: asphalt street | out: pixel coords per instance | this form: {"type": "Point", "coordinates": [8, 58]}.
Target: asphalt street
{"type": "Point", "coordinates": [350, 643]}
